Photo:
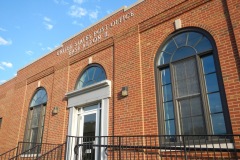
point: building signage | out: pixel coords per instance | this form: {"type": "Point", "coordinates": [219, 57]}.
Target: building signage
{"type": "Point", "coordinates": [93, 38]}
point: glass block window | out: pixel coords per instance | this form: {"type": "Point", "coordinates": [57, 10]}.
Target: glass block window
{"type": "Point", "coordinates": [190, 99]}
{"type": "Point", "coordinates": [93, 74]}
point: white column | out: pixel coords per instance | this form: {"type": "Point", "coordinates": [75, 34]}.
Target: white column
{"type": "Point", "coordinates": [72, 131]}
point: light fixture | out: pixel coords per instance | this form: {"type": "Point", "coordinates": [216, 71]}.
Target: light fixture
{"type": "Point", "coordinates": [55, 110]}
{"type": "Point", "coordinates": [125, 91]}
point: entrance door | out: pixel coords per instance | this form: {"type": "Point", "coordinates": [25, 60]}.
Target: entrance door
{"type": "Point", "coordinates": [89, 129]}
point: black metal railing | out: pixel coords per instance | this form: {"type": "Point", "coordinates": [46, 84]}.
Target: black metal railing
{"type": "Point", "coordinates": [28, 150]}
{"type": "Point", "coordinates": [56, 153]}
{"type": "Point", "coordinates": [177, 147]}
{"type": "Point", "coordinates": [33, 150]}
{"type": "Point", "coordinates": [154, 147]}
{"type": "Point", "coordinates": [9, 154]}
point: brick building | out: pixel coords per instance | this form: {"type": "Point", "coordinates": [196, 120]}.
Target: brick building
{"type": "Point", "coordinates": [154, 68]}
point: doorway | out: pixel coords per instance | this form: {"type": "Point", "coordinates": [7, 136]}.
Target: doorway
{"type": "Point", "coordinates": [89, 130]}
{"type": "Point", "coordinates": [88, 116]}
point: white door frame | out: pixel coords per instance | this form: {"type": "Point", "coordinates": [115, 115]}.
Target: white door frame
{"type": "Point", "coordinates": [81, 118]}
{"type": "Point", "coordinates": [83, 113]}
{"type": "Point", "coordinates": [97, 93]}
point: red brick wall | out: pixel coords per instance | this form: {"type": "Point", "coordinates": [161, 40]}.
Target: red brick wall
{"type": "Point", "coordinates": [127, 56]}
{"type": "Point", "coordinates": [216, 25]}
{"type": "Point", "coordinates": [9, 128]}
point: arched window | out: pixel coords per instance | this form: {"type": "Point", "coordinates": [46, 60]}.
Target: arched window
{"type": "Point", "coordinates": [35, 120]}
{"type": "Point", "coordinates": [190, 92]}
{"type": "Point", "coordinates": [91, 75]}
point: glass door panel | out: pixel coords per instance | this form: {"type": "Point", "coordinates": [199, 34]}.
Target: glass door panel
{"type": "Point", "coordinates": [89, 126]}
{"type": "Point", "coordinates": [89, 131]}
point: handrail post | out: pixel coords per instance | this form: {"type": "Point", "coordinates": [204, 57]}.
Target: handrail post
{"type": "Point", "coordinates": [119, 147]}
{"type": "Point", "coordinates": [38, 151]}
{"type": "Point", "coordinates": [233, 138]}
{"type": "Point", "coordinates": [184, 146]}
{"type": "Point", "coordinates": [17, 151]}
{"type": "Point", "coordinates": [61, 151]}
{"type": "Point", "coordinates": [66, 145]}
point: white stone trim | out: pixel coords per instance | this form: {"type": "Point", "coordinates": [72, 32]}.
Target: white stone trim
{"type": "Point", "coordinates": [89, 94]}
{"type": "Point", "coordinates": [204, 146]}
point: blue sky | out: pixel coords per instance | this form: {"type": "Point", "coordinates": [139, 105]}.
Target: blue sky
{"type": "Point", "coordinates": [30, 29]}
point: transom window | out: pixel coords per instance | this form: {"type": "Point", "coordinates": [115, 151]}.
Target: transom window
{"type": "Point", "coordinates": [91, 75]}
{"type": "Point", "coordinates": [190, 97]}
{"type": "Point", "coordinates": [35, 119]}
{"type": "Point", "coordinates": [39, 98]}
